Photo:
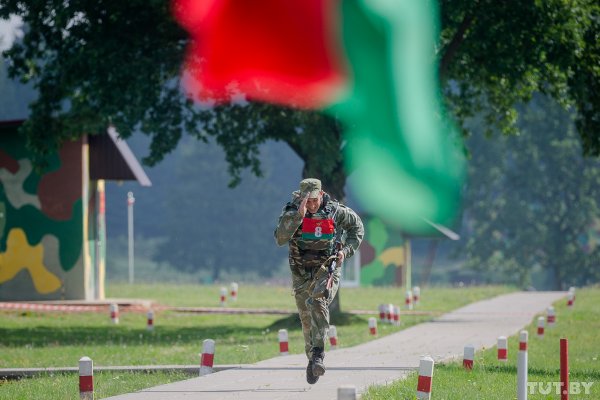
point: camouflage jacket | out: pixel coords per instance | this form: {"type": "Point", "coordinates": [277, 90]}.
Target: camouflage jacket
{"type": "Point", "coordinates": [347, 224]}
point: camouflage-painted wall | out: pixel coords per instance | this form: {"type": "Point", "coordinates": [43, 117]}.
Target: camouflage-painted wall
{"type": "Point", "coordinates": [48, 227]}
{"type": "Point", "coordinates": [383, 255]}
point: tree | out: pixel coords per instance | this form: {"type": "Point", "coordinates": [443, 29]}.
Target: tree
{"type": "Point", "coordinates": [208, 226]}
{"type": "Point", "coordinates": [108, 61]}
{"type": "Point", "coordinates": [315, 137]}
{"type": "Point", "coordinates": [495, 55]}
{"type": "Point", "coordinates": [119, 62]}
{"type": "Point", "coordinates": [531, 199]}
{"type": "Point", "coordinates": [14, 99]}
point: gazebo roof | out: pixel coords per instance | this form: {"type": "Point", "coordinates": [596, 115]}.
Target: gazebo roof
{"type": "Point", "coordinates": [110, 157]}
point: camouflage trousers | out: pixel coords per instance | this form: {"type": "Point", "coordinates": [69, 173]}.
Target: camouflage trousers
{"type": "Point", "coordinates": [313, 308]}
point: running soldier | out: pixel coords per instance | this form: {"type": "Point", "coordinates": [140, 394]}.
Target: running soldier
{"type": "Point", "coordinates": [321, 233]}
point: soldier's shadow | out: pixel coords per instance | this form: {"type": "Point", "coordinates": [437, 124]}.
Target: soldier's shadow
{"type": "Point", "coordinates": [292, 321]}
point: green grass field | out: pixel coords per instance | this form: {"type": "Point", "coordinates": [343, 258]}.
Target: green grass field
{"type": "Point", "coordinates": [280, 297]}
{"type": "Point", "coordinates": [492, 380]}
{"type": "Point", "coordinates": [32, 339]}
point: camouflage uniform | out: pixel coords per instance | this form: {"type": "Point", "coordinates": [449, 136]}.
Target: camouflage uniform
{"type": "Point", "coordinates": [308, 258]}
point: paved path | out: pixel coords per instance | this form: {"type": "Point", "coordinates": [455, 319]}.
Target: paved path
{"type": "Point", "coordinates": [377, 362]}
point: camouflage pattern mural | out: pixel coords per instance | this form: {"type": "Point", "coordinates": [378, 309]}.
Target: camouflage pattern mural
{"type": "Point", "coordinates": [50, 224]}
{"type": "Point", "coordinates": [383, 254]}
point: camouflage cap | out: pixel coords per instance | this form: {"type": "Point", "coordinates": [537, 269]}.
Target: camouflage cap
{"type": "Point", "coordinates": [311, 186]}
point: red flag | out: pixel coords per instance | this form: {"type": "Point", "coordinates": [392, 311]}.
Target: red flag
{"type": "Point", "coordinates": [284, 52]}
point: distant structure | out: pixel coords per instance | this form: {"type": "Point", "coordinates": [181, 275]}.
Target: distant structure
{"type": "Point", "coordinates": [52, 223]}
{"type": "Point", "coordinates": [384, 254]}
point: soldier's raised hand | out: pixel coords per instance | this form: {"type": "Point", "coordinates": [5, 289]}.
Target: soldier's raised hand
{"type": "Point", "coordinates": [302, 208]}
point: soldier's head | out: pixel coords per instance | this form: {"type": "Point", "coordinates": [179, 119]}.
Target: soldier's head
{"type": "Point", "coordinates": [312, 187]}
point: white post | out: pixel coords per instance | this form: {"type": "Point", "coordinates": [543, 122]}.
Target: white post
{"type": "Point", "coordinates": [333, 337]}
{"type": "Point", "coordinates": [424, 383]}
{"type": "Point", "coordinates": [86, 378]}
{"type": "Point", "coordinates": [502, 349]}
{"type": "Point", "coordinates": [234, 291]}
{"type": "Point", "coordinates": [130, 202]}
{"type": "Point", "coordinates": [408, 264]}
{"type": "Point", "coordinates": [150, 320]}
{"type": "Point", "coordinates": [373, 326]}
{"type": "Point", "coordinates": [540, 327]}
{"type": "Point", "coordinates": [346, 392]}
{"type": "Point", "coordinates": [114, 313]}
{"type": "Point", "coordinates": [382, 312]}
{"type": "Point", "coordinates": [408, 300]}
{"type": "Point", "coordinates": [283, 342]}
{"type": "Point", "coordinates": [522, 366]}
{"type": "Point", "coordinates": [223, 297]}
{"type": "Point", "coordinates": [396, 315]}
{"type": "Point", "coordinates": [469, 356]}
{"type": "Point", "coordinates": [207, 358]}
{"type": "Point", "coordinates": [416, 295]}
{"type": "Point", "coordinates": [551, 317]}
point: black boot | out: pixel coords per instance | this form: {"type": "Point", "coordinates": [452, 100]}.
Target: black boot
{"type": "Point", "coordinates": [318, 368]}
{"type": "Point", "coordinates": [310, 377]}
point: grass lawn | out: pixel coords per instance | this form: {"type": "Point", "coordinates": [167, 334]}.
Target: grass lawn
{"type": "Point", "coordinates": [492, 380]}
{"type": "Point", "coordinates": [66, 387]}
{"type": "Point", "coordinates": [32, 339]}
{"type": "Point", "coordinates": [280, 297]}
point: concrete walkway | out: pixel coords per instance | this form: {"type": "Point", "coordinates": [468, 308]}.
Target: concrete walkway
{"type": "Point", "coordinates": [377, 362]}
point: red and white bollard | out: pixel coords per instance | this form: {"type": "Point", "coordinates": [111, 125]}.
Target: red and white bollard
{"type": "Point", "coordinates": [150, 323]}
{"type": "Point", "coordinates": [408, 300]}
{"type": "Point", "coordinates": [382, 312]}
{"type": "Point", "coordinates": [425, 378]}
{"type": "Point", "coordinates": [283, 342]}
{"type": "Point", "coordinates": [540, 327]}
{"type": "Point", "coordinates": [223, 296]}
{"type": "Point", "coordinates": [522, 366]}
{"type": "Point", "coordinates": [396, 315]}
{"type": "Point", "coordinates": [333, 337]}
{"type": "Point", "coordinates": [570, 299]}
{"type": "Point", "coordinates": [502, 349]}
{"type": "Point", "coordinates": [208, 357]}
{"type": "Point", "coordinates": [389, 311]}
{"type": "Point", "coordinates": [114, 313]}
{"type": "Point", "coordinates": [572, 290]}
{"type": "Point", "coordinates": [86, 378]}
{"type": "Point", "coordinates": [564, 369]}
{"type": "Point", "coordinates": [416, 295]}
{"type": "Point", "coordinates": [373, 326]}
{"type": "Point", "coordinates": [234, 291]}
{"type": "Point", "coordinates": [469, 356]}
{"type": "Point", "coordinates": [551, 317]}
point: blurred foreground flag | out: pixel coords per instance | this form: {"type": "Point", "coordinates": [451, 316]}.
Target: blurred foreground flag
{"type": "Point", "coordinates": [371, 63]}
{"type": "Point", "coordinates": [284, 52]}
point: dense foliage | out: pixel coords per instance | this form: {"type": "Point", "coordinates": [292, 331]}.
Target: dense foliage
{"type": "Point", "coordinates": [531, 203]}
{"type": "Point", "coordinates": [111, 61]}
{"type": "Point", "coordinates": [191, 220]}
